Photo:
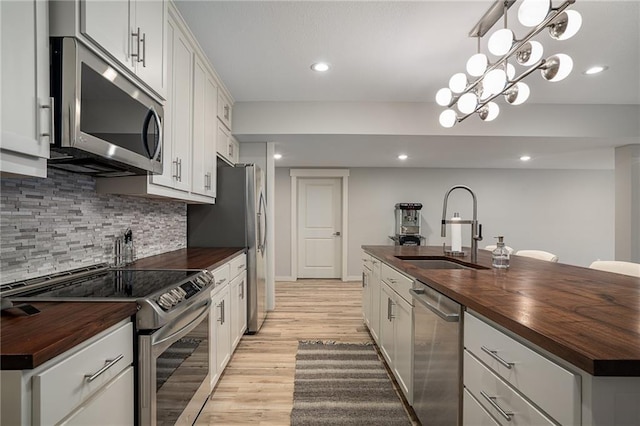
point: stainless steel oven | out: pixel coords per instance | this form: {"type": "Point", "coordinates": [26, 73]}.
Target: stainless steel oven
{"type": "Point", "coordinates": [172, 330]}
{"type": "Point", "coordinates": [174, 368]}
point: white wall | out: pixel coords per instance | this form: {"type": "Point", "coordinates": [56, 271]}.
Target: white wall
{"type": "Point", "coordinates": [567, 212]}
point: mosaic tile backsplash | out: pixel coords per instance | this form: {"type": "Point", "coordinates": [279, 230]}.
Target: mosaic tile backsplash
{"type": "Point", "coordinates": [61, 223]}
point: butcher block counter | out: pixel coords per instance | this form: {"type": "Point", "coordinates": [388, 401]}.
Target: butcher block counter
{"type": "Point", "coordinates": [28, 341]}
{"type": "Point", "coordinates": [589, 318]}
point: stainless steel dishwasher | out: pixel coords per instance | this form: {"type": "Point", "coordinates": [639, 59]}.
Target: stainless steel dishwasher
{"type": "Point", "coordinates": [437, 364]}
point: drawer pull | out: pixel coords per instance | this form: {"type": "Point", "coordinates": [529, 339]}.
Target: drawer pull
{"type": "Point", "coordinates": [107, 365]}
{"type": "Point", "coordinates": [494, 355]}
{"type": "Point", "coordinates": [240, 267]}
{"type": "Point", "coordinates": [391, 280]}
{"type": "Point", "coordinates": [494, 404]}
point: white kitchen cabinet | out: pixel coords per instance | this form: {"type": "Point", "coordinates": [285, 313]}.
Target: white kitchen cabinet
{"type": "Point", "coordinates": [92, 382]}
{"type": "Point", "coordinates": [238, 308]}
{"type": "Point", "coordinates": [225, 144]}
{"type": "Point", "coordinates": [205, 101]}
{"type": "Point", "coordinates": [221, 329]}
{"type": "Point", "coordinates": [375, 289]}
{"type": "Point", "coordinates": [176, 154]}
{"type": "Point", "coordinates": [530, 373]}
{"type": "Point", "coordinates": [224, 109]}
{"type": "Point", "coordinates": [130, 31]}
{"type": "Point", "coordinates": [24, 77]}
{"type": "Point", "coordinates": [238, 275]}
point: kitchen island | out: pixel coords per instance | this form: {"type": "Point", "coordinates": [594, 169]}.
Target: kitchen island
{"type": "Point", "coordinates": [584, 321]}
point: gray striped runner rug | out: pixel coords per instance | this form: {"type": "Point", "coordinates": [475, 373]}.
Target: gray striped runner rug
{"type": "Point", "coordinates": [343, 384]}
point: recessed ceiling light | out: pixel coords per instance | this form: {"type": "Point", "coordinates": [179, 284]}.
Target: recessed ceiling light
{"type": "Point", "coordinates": [525, 158]}
{"type": "Point", "coordinates": [402, 157]}
{"type": "Point", "coordinates": [320, 66]}
{"type": "Point", "coordinates": [277, 156]}
{"type": "Point", "coordinates": [596, 69]}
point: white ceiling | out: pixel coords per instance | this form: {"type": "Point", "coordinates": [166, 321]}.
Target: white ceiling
{"type": "Point", "coordinates": [393, 51]}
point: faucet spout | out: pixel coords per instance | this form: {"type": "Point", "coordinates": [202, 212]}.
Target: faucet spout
{"type": "Point", "coordinates": [476, 229]}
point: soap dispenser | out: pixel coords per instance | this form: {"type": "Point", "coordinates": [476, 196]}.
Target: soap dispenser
{"type": "Point", "coordinates": [500, 256]}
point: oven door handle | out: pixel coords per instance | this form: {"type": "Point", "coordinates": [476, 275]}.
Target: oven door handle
{"type": "Point", "coordinates": [190, 325]}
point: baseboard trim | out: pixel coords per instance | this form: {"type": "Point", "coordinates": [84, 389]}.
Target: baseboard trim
{"type": "Point", "coordinates": [284, 278]}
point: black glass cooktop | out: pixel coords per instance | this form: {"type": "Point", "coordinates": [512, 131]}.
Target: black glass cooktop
{"type": "Point", "coordinates": [113, 283]}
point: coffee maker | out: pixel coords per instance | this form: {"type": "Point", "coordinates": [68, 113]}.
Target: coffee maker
{"type": "Point", "coordinates": [408, 224]}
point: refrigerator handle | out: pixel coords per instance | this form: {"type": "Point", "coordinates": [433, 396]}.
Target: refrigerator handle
{"type": "Point", "coordinates": [262, 233]}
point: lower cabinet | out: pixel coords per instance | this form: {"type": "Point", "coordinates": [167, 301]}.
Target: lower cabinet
{"type": "Point", "coordinates": [89, 384]}
{"type": "Point", "coordinates": [228, 313]}
{"type": "Point", "coordinates": [220, 353]}
{"type": "Point", "coordinates": [396, 330]}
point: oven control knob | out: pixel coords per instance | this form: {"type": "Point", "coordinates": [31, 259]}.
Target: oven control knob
{"type": "Point", "coordinates": [177, 295]}
{"type": "Point", "coordinates": [165, 302]}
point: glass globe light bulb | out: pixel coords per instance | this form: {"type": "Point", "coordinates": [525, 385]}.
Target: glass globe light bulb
{"type": "Point", "coordinates": [566, 25]}
{"type": "Point", "coordinates": [529, 53]}
{"type": "Point", "coordinates": [448, 118]}
{"type": "Point", "coordinates": [518, 94]}
{"type": "Point", "coordinates": [494, 81]}
{"type": "Point", "coordinates": [489, 112]}
{"type": "Point", "coordinates": [477, 64]}
{"type": "Point", "coordinates": [458, 82]}
{"type": "Point", "coordinates": [501, 41]}
{"type": "Point", "coordinates": [444, 96]}
{"type": "Point", "coordinates": [557, 67]}
{"type": "Point", "coordinates": [532, 12]}
{"type": "Point", "coordinates": [467, 103]}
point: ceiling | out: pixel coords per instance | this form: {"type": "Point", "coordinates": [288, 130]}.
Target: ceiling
{"type": "Point", "coordinates": [396, 51]}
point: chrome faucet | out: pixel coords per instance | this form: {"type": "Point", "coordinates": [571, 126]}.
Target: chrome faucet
{"type": "Point", "coordinates": [476, 228]}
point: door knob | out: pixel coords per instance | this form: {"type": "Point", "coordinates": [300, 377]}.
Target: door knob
{"type": "Point", "coordinates": [336, 234]}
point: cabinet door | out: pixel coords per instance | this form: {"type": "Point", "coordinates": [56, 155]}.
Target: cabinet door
{"type": "Point", "coordinates": [204, 131]}
{"type": "Point", "coordinates": [234, 150]}
{"type": "Point", "coordinates": [107, 24]}
{"type": "Point", "coordinates": [151, 18]}
{"type": "Point", "coordinates": [376, 315]}
{"type": "Point", "coordinates": [387, 312]}
{"type": "Point", "coordinates": [366, 296]}
{"type": "Point", "coordinates": [222, 142]}
{"type": "Point", "coordinates": [178, 112]}
{"type": "Point", "coordinates": [403, 347]}
{"type": "Point", "coordinates": [111, 405]}
{"type": "Point", "coordinates": [238, 308]}
{"type": "Point", "coordinates": [224, 109]}
{"type": "Point", "coordinates": [221, 305]}
{"type": "Point", "coordinates": [26, 116]}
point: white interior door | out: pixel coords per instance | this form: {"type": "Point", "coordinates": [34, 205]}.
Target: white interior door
{"type": "Point", "coordinates": [319, 227]}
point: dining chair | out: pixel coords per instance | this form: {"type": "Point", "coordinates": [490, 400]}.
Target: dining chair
{"type": "Point", "coordinates": [617, 266]}
{"type": "Point", "coordinates": [538, 254]}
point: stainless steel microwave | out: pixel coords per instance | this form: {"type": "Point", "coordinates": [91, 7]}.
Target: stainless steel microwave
{"type": "Point", "coordinates": [105, 125]}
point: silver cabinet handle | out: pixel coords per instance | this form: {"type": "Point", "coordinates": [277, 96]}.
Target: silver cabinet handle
{"type": "Point", "coordinates": [336, 234]}
{"type": "Point", "coordinates": [176, 163]}
{"type": "Point", "coordinates": [52, 120]}
{"type": "Point", "coordinates": [143, 40]}
{"type": "Point", "coordinates": [107, 365]}
{"type": "Point", "coordinates": [221, 281]}
{"type": "Point", "coordinates": [364, 280]}
{"type": "Point", "coordinates": [240, 267]}
{"type": "Point", "coordinates": [137, 36]}
{"type": "Point", "coordinates": [391, 280]}
{"type": "Point", "coordinates": [492, 400]}
{"type": "Point", "coordinates": [494, 354]}
{"type": "Point", "coordinates": [221, 307]}
{"type": "Point", "coordinates": [390, 304]}
{"type": "Point", "coordinates": [180, 168]}
{"type": "Point", "coordinates": [226, 112]}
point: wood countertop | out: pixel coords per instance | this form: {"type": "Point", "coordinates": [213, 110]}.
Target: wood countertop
{"type": "Point", "coordinates": [28, 341]}
{"type": "Point", "coordinates": [588, 318]}
{"type": "Point", "coordinates": [189, 258]}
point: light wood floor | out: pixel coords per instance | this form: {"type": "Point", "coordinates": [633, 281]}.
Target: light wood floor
{"type": "Point", "coordinates": [257, 385]}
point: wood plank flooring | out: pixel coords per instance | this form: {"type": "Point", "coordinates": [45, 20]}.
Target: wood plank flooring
{"type": "Point", "coordinates": [257, 385]}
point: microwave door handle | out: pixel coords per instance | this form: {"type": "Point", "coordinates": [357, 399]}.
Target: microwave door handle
{"type": "Point", "coordinates": [145, 139]}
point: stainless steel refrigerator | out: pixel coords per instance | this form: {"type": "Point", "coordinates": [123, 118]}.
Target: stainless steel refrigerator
{"type": "Point", "coordinates": [237, 219]}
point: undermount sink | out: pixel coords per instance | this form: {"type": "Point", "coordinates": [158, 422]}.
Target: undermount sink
{"type": "Point", "coordinates": [434, 262]}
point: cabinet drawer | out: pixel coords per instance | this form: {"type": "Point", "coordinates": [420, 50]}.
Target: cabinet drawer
{"type": "Point", "coordinates": [366, 261]}
{"type": "Point", "coordinates": [221, 275]}
{"type": "Point", "coordinates": [237, 265]}
{"type": "Point", "coordinates": [397, 281]}
{"type": "Point", "coordinates": [531, 373]}
{"type": "Point", "coordinates": [483, 384]}
{"type": "Point", "coordinates": [59, 389]}
{"type": "Point", "coordinates": [116, 399]}
{"type": "Point", "coordinates": [473, 414]}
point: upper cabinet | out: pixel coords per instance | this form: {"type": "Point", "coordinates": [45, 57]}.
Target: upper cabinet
{"type": "Point", "coordinates": [26, 107]}
{"type": "Point", "coordinates": [224, 109]}
{"type": "Point", "coordinates": [131, 32]}
{"type": "Point", "coordinates": [227, 148]}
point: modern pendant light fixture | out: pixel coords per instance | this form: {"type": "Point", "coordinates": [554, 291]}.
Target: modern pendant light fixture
{"type": "Point", "coordinates": [487, 80]}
